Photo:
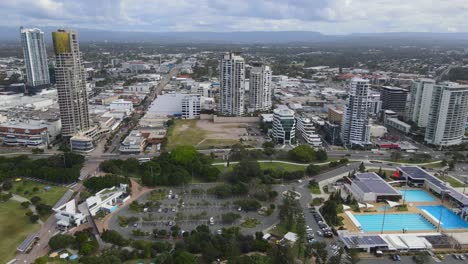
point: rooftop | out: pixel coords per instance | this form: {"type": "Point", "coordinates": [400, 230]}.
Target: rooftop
{"type": "Point", "coordinates": [371, 182]}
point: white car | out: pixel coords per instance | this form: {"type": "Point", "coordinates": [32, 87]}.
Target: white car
{"type": "Point", "coordinates": [211, 221]}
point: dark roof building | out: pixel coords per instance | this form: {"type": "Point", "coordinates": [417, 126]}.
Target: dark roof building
{"type": "Point", "coordinates": [370, 187]}
{"type": "Point", "coordinates": [393, 98]}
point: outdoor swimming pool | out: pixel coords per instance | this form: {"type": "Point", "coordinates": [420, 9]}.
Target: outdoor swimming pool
{"type": "Point", "coordinates": [416, 196]}
{"type": "Point", "coordinates": [448, 219]}
{"type": "Point", "coordinates": [393, 222]}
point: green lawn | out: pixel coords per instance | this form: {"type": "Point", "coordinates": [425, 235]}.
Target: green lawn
{"type": "Point", "coordinates": [14, 228]}
{"type": "Point", "coordinates": [281, 166]}
{"type": "Point", "coordinates": [50, 197]}
{"type": "Point", "coordinates": [250, 223]}
{"type": "Point", "coordinates": [453, 182]}
{"type": "Point", "coordinates": [184, 132]}
{"type": "Point", "coordinates": [315, 189]}
{"type": "Point", "coordinates": [216, 142]}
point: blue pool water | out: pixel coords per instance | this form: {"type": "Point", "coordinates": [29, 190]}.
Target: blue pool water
{"type": "Point", "coordinates": [416, 196]}
{"type": "Point", "coordinates": [393, 222]}
{"type": "Point", "coordinates": [448, 219]}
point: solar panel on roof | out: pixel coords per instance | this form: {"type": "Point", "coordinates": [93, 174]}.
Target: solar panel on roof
{"type": "Point", "coordinates": [27, 242]}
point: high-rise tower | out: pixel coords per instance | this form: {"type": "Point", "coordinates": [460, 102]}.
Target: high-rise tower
{"type": "Point", "coordinates": [260, 87]}
{"type": "Point", "coordinates": [232, 85]}
{"type": "Point", "coordinates": [355, 128]}
{"type": "Point", "coordinates": [35, 59]}
{"type": "Point", "coordinates": [70, 82]}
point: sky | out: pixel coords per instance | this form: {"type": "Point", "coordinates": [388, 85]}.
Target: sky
{"type": "Point", "coordinates": [326, 16]}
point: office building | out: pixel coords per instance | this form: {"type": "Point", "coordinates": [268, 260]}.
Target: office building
{"type": "Point", "coordinates": [191, 106]}
{"type": "Point", "coordinates": [355, 128]}
{"type": "Point", "coordinates": [394, 98]}
{"type": "Point", "coordinates": [284, 125]}
{"type": "Point", "coordinates": [447, 114]}
{"type": "Point", "coordinates": [260, 87]}
{"type": "Point", "coordinates": [35, 59]}
{"type": "Point", "coordinates": [232, 85]}
{"type": "Point", "coordinates": [70, 83]}
{"type": "Point", "coordinates": [419, 101]}
{"type": "Point", "coordinates": [305, 130]}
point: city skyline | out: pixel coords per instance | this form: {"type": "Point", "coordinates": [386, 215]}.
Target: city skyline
{"type": "Point", "coordinates": [327, 16]}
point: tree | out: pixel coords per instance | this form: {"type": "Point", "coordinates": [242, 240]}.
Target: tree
{"type": "Point", "coordinates": [421, 258]}
{"type": "Point", "coordinates": [35, 200]}
{"type": "Point", "coordinates": [321, 155]}
{"type": "Point", "coordinates": [114, 237]}
{"type": "Point", "coordinates": [302, 153]}
{"type": "Point", "coordinates": [33, 218]}
{"type": "Point", "coordinates": [184, 155]}
{"type": "Point", "coordinates": [230, 217]}
{"type": "Point", "coordinates": [313, 170]}
{"type": "Point", "coordinates": [362, 168]}
{"type": "Point", "coordinates": [184, 257]}
{"type": "Point", "coordinates": [245, 170]}
{"type": "Point", "coordinates": [61, 241]}
{"type": "Point", "coordinates": [396, 156]}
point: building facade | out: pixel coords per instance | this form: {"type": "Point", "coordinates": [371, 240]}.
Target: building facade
{"type": "Point", "coordinates": [305, 130]}
{"type": "Point", "coordinates": [70, 82]}
{"type": "Point", "coordinates": [284, 125]}
{"type": "Point", "coordinates": [232, 85]}
{"type": "Point", "coordinates": [448, 113]}
{"type": "Point", "coordinates": [394, 98]}
{"type": "Point", "coordinates": [419, 101]}
{"type": "Point", "coordinates": [260, 88]}
{"type": "Point", "coordinates": [191, 106]}
{"type": "Point", "coordinates": [355, 128]}
{"type": "Point", "coordinates": [35, 59]}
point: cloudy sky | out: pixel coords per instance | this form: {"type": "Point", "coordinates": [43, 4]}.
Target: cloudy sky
{"type": "Point", "coordinates": [326, 16]}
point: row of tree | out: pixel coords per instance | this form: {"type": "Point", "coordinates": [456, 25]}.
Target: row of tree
{"type": "Point", "coordinates": [169, 169]}
{"type": "Point", "coordinates": [61, 168]}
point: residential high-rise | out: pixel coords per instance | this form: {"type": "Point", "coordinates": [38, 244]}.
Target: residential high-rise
{"type": "Point", "coordinates": [260, 87]}
{"type": "Point", "coordinates": [232, 84]}
{"type": "Point", "coordinates": [447, 114]}
{"type": "Point", "coordinates": [394, 98]}
{"type": "Point", "coordinates": [419, 101]}
{"type": "Point", "coordinates": [70, 82]}
{"type": "Point", "coordinates": [35, 59]}
{"type": "Point", "coordinates": [355, 128]}
{"type": "Point", "coordinates": [284, 125]}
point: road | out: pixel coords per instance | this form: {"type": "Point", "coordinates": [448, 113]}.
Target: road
{"type": "Point", "coordinates": [139, 113]}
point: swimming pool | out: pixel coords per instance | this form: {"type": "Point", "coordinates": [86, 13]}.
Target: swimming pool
{"type": "Point", "coordinates": [448, 219]}
{"type": "Point", "coordinates": [393, 222]}
{"type": "Point", "coordinates": [416, 196]}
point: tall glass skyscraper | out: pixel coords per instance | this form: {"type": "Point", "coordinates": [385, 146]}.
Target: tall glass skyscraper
{"type": "Point", "coordinates": [232, 85]}
{"type": "Point", "coordinates": [35, 59]}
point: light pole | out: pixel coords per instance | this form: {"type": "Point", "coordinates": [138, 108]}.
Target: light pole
{"type": "Point", "coordinates": [383, 219]}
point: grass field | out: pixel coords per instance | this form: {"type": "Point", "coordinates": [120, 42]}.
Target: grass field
{"type": "Point", "coordinates": [50, 197]}
{"type": "Point", "coordinates": [281, 166]}
{"type": "Point", "coordinates": [453, 182]}
{"type": "Point", "coordinates": [216, 142]}
{"type": "Point", "coordinates": [14, 228]}
{"type": "Point", "coordinates": [184, 132]}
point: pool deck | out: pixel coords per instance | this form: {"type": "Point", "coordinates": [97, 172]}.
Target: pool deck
{"type": "Point", "coordinates": [412, 209]}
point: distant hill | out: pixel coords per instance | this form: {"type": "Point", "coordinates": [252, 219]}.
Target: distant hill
{"type": "Point", "coordinates": [90, 35]}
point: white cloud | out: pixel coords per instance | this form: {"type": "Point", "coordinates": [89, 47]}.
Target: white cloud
{"type": "Point", "coordinates": [328, 16]}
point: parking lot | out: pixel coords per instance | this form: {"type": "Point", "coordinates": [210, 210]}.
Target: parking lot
{"type": "Point", "coordinates": [186, 207]}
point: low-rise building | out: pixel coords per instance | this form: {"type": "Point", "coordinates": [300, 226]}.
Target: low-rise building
{"type": "Point", "coordinates": [370, 187]}
{"type": "Point", "coordinates": [16, 133]}
{"type": "Point", "coordinates": [305, 130]}
{"type": "Point", "coordinates": [133, 144]}
{"type": "Point", "coordinates": [122, 105]}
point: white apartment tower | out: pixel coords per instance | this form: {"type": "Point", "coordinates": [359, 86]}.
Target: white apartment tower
{"type": "Point", "coordinates": [419, 101]}
{"type": "Point", "coordinates": [447, 114]}
{"type": "Point", "coordinates": [70, 82]}
{"type": "Point", "coordinates": [232, 85]}
{"type": "Point", "coordinates": [35, 58]}
{"type": "Point", "coordinates": [355, 128]}
{"type": "Point", "coordinates": [260, 87]}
